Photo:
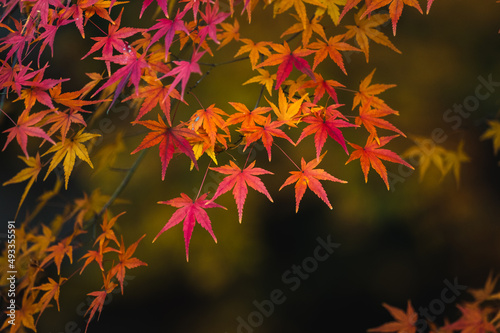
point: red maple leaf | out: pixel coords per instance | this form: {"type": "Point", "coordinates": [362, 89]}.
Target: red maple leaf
{"type": "Point", "coordinates": [100, 297]}
{"type": "Point", "coordinates": [168, 28]}
{"type": "Point", "coordinates": [163, 4]}
{"type": "Point", "coordinates": [325, 123]}
{"type": "Point", "coordinates": [310, 177]}
{"type": "Point", "coordinates": [238, 180]}
{"type": "Point", "coordinates": [287, 60]}
{"type": "Point", "coordinates": [112, 41]}
{"type": "Point", "coordinates": [26, 126]}
{"type": "Point", "coordinates": [371, 154]}
{"type": "Point", "coordinates": [191, 211]}
{"type": "Point", "coordinates": [170, 140]}
{"type": "Point", "coordinates": [266, 133]}
{"type": "Point", "coordinates": [212, 17]}
{"type": "Point", "coordinates": [321, 86]}
{"type": "Point", "coordinates": [183, 71]}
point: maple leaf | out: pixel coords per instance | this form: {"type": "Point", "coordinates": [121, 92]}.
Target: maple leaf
{"type": "Point", "coordinates": [454, 159]}
{"type": "Point", "coordinates": [96, 256]}
{"type": "Point", "coordinates": [210, 120]}
{"type": "Point", "coordinates": [62, 121]}
{"type": "Point", "coordinates": [24, 315]}
{"type": "Point", "coordinates": [168, 28]}
{"type": "Point", "coordinates": [485, 293]}
{"type": "Point", "coordinates": [370, 118]}
{"type": "Point", "coordinates": [405, 321]}
{"type": "Point", "coordinates": [254, 49]}
{"type": "Point", "coordinates": [350, 4]}
{"type": "Point", "coordinates": [371, 154]}
{"type": "Point", "coordinates": [163, 4]}
{"type": "Point", "coordinates": [367, 91]}
{"type": "Point", "coordinates": [100, 297]}
{"type": "Point", "coordinates": [58, 251]}
{"type": "Point", "coordinates": [246, 117]}
{"type": "Point", "coordinates": [183, 71]}
{"type": "Point", "coordinates": [331, 8]}
{"type": "Point", "coordinates": [426, 152]}
{"type": "Point", "coordinates": [212, 17]}
{"type": "Point", "coordinates": [287, 113]}
{"type": "Point", "coordinates": [325, 123]}
{"type": "Point", "coordinates": [265, 133]}
{"type": "Point", "coordinates": [331, 48]}
{"type": "Point", "coordinates": [231, 31]}
{"type": "Point", "coordinates": [113, 40]}
{"type": "Point", "coordinates": [107, 230]}
{"type": "Point", "coordinates": [321, 86]}
{"type": "Point", "coordinates": [34, 166]}
{"type": "Point", "coordinates": [125, 261]}
{"type": "Point", "coordinates": [169, 139]}
{"type": "Point", "coordinates": [307, 30]}
{"type": "Point", "coordinates": [265, 78]}
{"type": "Point", "coordinates": [493, 133]}
{"type": "Point", "coordinates": [155, 93]}
{"type": "Point", "coordinates": [367, 29]}
{"type": "Point", "coordinates": [41, 8]}
{"type": "Point", "coordinates": [308, 176]}
{"type": "Point", "coordinates": [239, 180]}
{"type": "Point", "coordinates": [133, 63]}
{"type": "Point", "coordinates": [281, 6]}
{"type": "Point", "coordinates": [69, 99]}
{"type": "Point", "coordinates": [473, 319]}
{"type": "Point", "coordinates": [395, 9]}
{"type": "Point", "coordinates": [26, 126]}
{"type": "Point", "coordinates": [287, 60]}
{"type": "Point", "coordinates": [52, 289]}
{"type": "Point", "coordinates": [190, 211]}
{"type": "Point", "coordinates": [68, 150]}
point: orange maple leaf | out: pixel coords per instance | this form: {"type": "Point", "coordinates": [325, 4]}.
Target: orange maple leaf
{"type": "Point", "coordinates": [310, 177]}
{"type": "Point", "coordinates": [58, 251]}
{"type": "Point", "coordinates": [367, 29]}
{"type": "Point", "coordinates": [370, 118]}
{"type": "Point", "coordinates": [254, 49]}
{"type": "Point", "coordinates": [405, 321]}
{"type": "Point", "coordinates": [395, 9]}
{"type": "Point", "coordinates": [246, 117]}
{"type": "Point", "coordinates": [125, 261]}
{"type": "Point", "coordinates": [52, 289]}
{"type": "Point", "coordinates": [100, 297]}
{"type": "Point", "coordinates": [209, 119]}
{"type": "Point", "coordinates": [367, 91]}
{"type": "Point", "coordinates": [473, 319]}
{"type": "Point", "coordinates": [331, 48]}
{"type": "Point", "coordinates": [371, 154]}
{"type": "Point", "coordinates": [238, 180]}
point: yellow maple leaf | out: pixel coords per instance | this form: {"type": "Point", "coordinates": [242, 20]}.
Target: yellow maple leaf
{"type": "Point", "coordinates": [287, 113]}
{"type": "Point", "coordinates": [34, 166]}
{"type": "Point", "coordinates": [493, 133]}
{"type": "Point", "coordinates": [68, 150]}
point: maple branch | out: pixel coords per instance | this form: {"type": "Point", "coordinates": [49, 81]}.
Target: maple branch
{"type": "Point", "coordinates": [124, 182]}
{"type": "Point", "coordinates": [274, 143]}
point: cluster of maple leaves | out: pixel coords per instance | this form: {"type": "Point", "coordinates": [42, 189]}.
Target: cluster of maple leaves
{"type": "Point", "coordinates": [149, 66]}
{"type": "Point", "coordinates": [481, 314]}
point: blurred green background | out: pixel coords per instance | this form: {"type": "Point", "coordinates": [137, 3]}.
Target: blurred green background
{"type": "Point", "coordinates": [394, 245]}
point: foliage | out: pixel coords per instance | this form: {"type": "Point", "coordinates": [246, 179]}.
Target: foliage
{"type": "Point", "coordinates": [159, 69]}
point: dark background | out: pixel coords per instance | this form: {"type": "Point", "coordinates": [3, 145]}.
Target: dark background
{"type": "Point", "coordinates": [394, 245]}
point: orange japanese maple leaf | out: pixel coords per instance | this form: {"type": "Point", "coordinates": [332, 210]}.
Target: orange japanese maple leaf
{"type": "Point", "coordinates": [125, 261]}
{"type": "Point", "coordinates": [367, 29]}
{"type": "Point", "coordinates": [371, 154]}
{"type": "Point", "coordinates": [307, 29]}
{"type": "Point", "coordinates": [107, 230]}
{"type": "Point", "coordinates": [370, 118]}
{"type": "Point", "coordinates": [325, 123]}
{"type": "Point", "coordinates": [405, 321]}
{"type": "Point", "coordinates": [191, 211]}
{"type": "Point", "coordinates": [52, 292]}
{"type": "Point", "coordinates": [27, 126]}
{"type": "Point", "coordinates": [62, 121]}
{"type": "Point", "coordinates": [231, 31]}
{"type": "Point", "coordinates": [321, 86]}
{"type": "Point", "coordinates": [331, 48]}
{"type": "Point", "coordinates": [255, 50]}
{"type": "Point", "coordinates": [266, 133]}
{"type": "Point", "coordinates": [210, 120]}
{"type": "Point", "coordinates": [473, 319]}
{"type": "Point", "coordinates": [68, 150]}
{"type": "Point", "coordinates": [367, 91]}
{"type": "Point", "coordinates": [58, 251]}
{"type": "Point", "coordinates": [97, 256]}
{"type": "Point", "coordinates": [246, 117]}
{"type": "Point", "coordinates": [170, 140]}
{"type": "Point", "coordinates": [100, 297]}
{"type": "Point", "coordinates": [286, 59]}
{"type": "Point", "coordinates": [395, 9]}
{"type": "Point", "coordinates": [238, 180]}
{"type": "Point", "coordinates": [310, 177]}
{"type": "Point", "coordinates": [281, 6]}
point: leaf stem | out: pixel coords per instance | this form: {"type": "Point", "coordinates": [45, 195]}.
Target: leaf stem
{"type": "Point", "coordinates": [274, 143]}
